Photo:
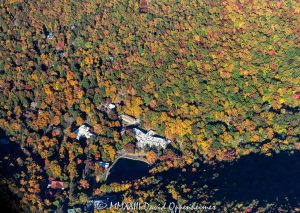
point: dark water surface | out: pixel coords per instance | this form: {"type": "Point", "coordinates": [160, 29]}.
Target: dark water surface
{"type": "Point", "coordinates": [260, 177]}
{"type": "Point", "coordinates": [253, 177]}
{"type": "Point", "coordinates": [126, 169]}
{"type": "Point", "coordinates": [274, 179]}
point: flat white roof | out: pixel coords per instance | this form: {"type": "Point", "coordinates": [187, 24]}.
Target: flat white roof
{"type": "Point", "coordinates": [83, 131]}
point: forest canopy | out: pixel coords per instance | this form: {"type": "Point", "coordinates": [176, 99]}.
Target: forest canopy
{"type": "Point", "coordinates": [220, 79]}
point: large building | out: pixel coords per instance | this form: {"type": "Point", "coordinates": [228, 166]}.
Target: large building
{"type": "Point", "coordinates": [83, 131]}
{"type": "Point", "coordinates": [150, 139]}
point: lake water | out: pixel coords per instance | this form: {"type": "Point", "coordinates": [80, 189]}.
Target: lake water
{"type": "Point", "coordinates": [127, 169]}
{"type": "Point", "coordinates": [273, 179]}
{"type": "Point", "coordinates": [254, 177]}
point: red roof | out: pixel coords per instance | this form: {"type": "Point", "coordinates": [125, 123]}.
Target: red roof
{"type": "Point", "coordinates": [56, 184]}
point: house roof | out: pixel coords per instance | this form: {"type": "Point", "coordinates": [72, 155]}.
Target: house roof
{"type": "Point", "coordinates": [103, 164]}
{"type": "Point", "coordinates": [84, 131]}
{"type": "Point", "coordinates": [111, 106]}
{"type": "Point", "coordinates": [130, 120]}
{"type": "Point", "coordinates": [56, 184]}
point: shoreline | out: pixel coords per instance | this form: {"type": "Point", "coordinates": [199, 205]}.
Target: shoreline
{"type": "Point", "coordinates": [126, 156]}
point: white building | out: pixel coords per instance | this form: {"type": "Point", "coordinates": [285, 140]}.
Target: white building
{"type": "Point", "coordinates": [83, 131]}
{"type": "Point", "coordinates": [129, 120]}
{"type": "Point", "coordinates": [111, 106]}
{"type": "Point", "coordinates": [149, 139]}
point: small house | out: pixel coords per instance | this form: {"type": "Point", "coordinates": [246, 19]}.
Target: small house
{"type": "Point", "coordinates": [53, 184]}
{"type": "Point", "coordinates": [128, 120]}
{"type": "Point", "coordinates": [84, 131]}
{"type": "Point", "coordinates": [103, 164]}
{"type": "Point", "coordinates": [111, 106]}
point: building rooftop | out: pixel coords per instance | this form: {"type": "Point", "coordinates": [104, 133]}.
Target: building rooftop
{"type": "Point", "coordinates": [150, 139]}
{"type": "Point", "coordinates": [129, 120]}
{"type": "Point", "coordinates": [103, 164]}
{"type": "Point", "coordinates": [83, 131]}
{"type": "Point", "coordinates": [56, 185]}
{"type": "Point", "coordinates": [111, 106]}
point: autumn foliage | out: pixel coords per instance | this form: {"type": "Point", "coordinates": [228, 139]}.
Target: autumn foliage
{"type": "Point", "coordinates": [218, 78]}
